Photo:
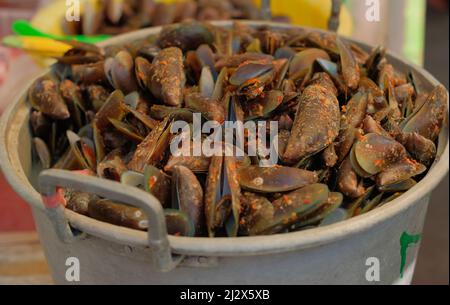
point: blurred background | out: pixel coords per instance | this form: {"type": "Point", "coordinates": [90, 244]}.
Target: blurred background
{"type": "Point", "coordinates": [415, 29]}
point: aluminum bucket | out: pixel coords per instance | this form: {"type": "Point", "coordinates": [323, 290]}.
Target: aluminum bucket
{"type": "Point", "coordinates": [349, 252]}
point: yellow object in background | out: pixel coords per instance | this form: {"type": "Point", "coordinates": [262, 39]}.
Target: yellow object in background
{"type": "Point", "coordinates": [310, 13]}
{"type": "Point", "coordinates": [38, 45]}
{"type": "Point", "coordinates": [49, 18]}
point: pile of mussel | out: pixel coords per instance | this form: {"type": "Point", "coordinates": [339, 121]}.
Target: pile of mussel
{"type": "Point", "coordinates": [120, 16]}
{"type": "Point", "coordinates": [353, 133]}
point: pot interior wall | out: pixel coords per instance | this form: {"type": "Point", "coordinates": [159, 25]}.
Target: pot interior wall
{"type": "Point", "coordinates": [30, 167]}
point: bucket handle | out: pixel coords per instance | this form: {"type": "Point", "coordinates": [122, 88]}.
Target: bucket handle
{"type": "Point", "coordinates": [51, 181]}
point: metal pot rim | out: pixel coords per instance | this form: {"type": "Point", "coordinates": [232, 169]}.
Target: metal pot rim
{"type": "Point", "coordinates": [259, 245]}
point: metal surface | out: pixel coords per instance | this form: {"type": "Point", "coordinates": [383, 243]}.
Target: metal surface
{"type": "Point", "coordinates": [266, 10]}
{"type": "Point", "coordinates": [158, 243]}
{"type": "Point", "coordinates": [337, 262]}
{"type": "Point", "coordinates": [333, 22]}
{"type": "Point", "coordinates": [330, 254]}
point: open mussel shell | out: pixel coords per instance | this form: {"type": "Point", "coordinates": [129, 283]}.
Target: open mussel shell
{"type": "Point", "coordinates": [98, 142]}
{"type": "Point", "coordinates": [427, 121]}
{"type": "Point", "coordinates": [151, 150]}
{"type": "Point", "coordinates": [232, 179]}
{"type": "Point", "coordinates": [401, 171]}
{"type": "Point", "coordinates": [369, 125]}
{"type": "Point", "coordinates": [112, 166]}
{"type": "Point", "coordinates": [291, 207]}
{"type": "Point", "coordinates": [210, 109]}
{"type": "Point", "coordinates": [257, 209]}
{"type": "Point", "coordinates": [248, 72]}
{"type": "Point", "coordinates": [394, 109]}
{"type": "Point", "coordinates": [391, 197]}
{"type": "Point", "coordinates": [178, 223]}
{"type": "Point", "coordinates": [157, 183]}
{"type": "Point", "coordinates": [187, 196]}
{"type": "Point", "coordinates": [284, 52]}
{"type": "Point", "coordinates": [83, 149]}
{"type": "Point", "coordinates": [356, 109]}
{"type": "Point", "coordinates": [216, 196]}
{"type": "Point", "coordinates": [133, 179]}
{"type": "Point", "coordinates": [338, 215]}
{"type": "Point", "coordinates": [332, 69]}
{"type": "Point", "coordinates": [206, 83]}
{"type": "Point", "coordinates": [364, 203]}
{"type": "Point", "coordinates": [88, 150]}
{"type": "Point", "coordinates": [43, 152]}
{"type": "Point", "coordinates": [398, 186]}
{"type": "Point", "coordinates": [254, 87]}
{"type": "Point", "coordinates": [113, 108]}
{"type": "Point", "coordinates": [219, 86]}
{"type": "Point", "coordinates": [274, 179]}
{"type": "Point", "coordinates": [264, 105]}
{"type": "Point", "coordinates": [421, 99]}
{"type": "Point", "coordinates": [148, 52]}
{"type": "Point", "coordinates": [378, 104]}
{"type": "Point", "coordinates": [369, 204]}
{"type": "Point", "coordinates": [349, 65]}
{"type": "Point", "coordinates": [355, 165]}
{"type": "Point", "coordinates": [316, 216]}
{"type": "Point", "coordinates": [422, 149]}
{"type": "Point", "coordinates": [373, 62]}
{"type": "Point", "coordinates": [206, 57]}
{"type": "Point", "coordinates": [348, 180]}
{"type": "Point", "coordinates": [143, 70]}
{"type": "Point", "coordinates": [301, 64]}
{"type": "Point", "coordinates": [132, 101]}
{"type": "Point", "coordinates": [127, 130]}
{"type": "Point", "coordinates": [86, 131]}
{"type": "Point", "coordinates": [346, 139]}
{"type": "Point", "coordinates": [67, 161]}
{"type": "Point", "coordinates": [281, 67]}
{"type": "Point", "coordinates": [375, 153]}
